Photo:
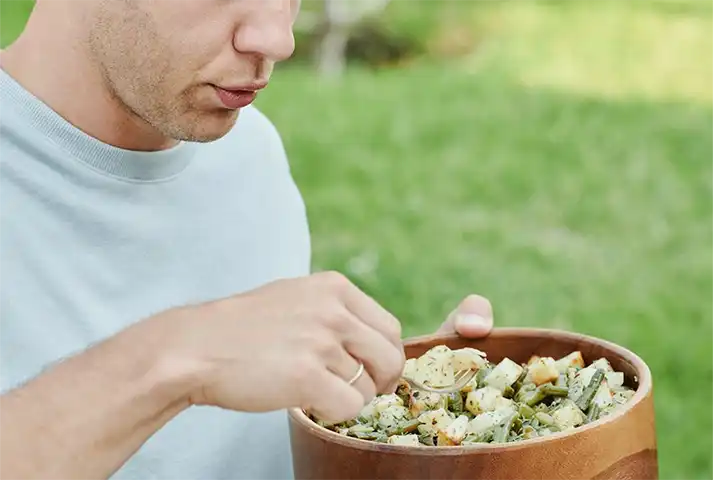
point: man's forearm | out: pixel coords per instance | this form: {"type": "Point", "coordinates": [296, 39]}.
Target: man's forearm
{"type": "Point", "coordinates": [84, 417]}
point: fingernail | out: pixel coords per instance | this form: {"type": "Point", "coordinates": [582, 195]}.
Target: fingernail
{"type": "Point", "coordinates": [473, 320]}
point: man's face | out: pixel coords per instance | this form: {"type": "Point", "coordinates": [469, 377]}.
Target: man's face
{"type": "Point", "coordinates": [186, 67]}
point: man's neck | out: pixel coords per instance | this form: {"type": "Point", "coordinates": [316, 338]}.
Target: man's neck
{"type": "Point", "coordinates": [55, 67]}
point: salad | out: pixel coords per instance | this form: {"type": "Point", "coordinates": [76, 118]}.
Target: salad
{"type": "Point", "coordinates": [504, 402]}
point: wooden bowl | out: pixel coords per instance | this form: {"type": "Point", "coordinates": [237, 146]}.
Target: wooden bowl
{"type": "Point", "coordinates": [619, 446]}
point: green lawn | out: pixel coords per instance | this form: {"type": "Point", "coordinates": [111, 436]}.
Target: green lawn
{"type": "Point", "coordinates": [562, 167]}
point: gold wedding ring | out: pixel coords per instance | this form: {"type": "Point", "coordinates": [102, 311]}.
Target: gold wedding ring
{"type": "Point", "coordinates": [358, 374]}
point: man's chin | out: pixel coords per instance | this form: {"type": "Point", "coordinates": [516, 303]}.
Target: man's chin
{"type": "Point", "coordinates": [211, 127]}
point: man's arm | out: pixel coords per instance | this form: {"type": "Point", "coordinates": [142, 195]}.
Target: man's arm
{"type": "Point", "coordinates": [84, 417]}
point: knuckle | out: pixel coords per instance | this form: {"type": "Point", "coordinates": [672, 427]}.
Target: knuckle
{"type": "Point", "coordinates": [335, 279]}
{"type": "Point", "coordinates": [325, 346]}
{"type": "Point", "coordinates": [337, 319]}
{"type": "Point", "coordinates": [394, 329]}
{"type": "Point", "coordinates": [301, 371]}
{"type": "Point", "coordinates": [395, 363]}
{"type": "Point", "coordinates": [369, 391]}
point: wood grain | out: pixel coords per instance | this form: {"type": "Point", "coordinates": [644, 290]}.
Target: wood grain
{"type": "Point", "coordinates": [622, 446]}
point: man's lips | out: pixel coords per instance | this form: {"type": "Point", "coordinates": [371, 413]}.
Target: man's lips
{"type": "Point", "coordinates": [238, 97]}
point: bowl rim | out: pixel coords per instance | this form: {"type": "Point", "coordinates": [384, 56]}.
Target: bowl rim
{"type": "Point", "coordinates": [644, 388]}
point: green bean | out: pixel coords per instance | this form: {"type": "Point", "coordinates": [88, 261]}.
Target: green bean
{"type": "Point", "coordinates": [588, 394]}
{"type": "Point", "coordinates": [508, 392]}
{"type": "Point", "coordinates": [366, 435]}
{"type": "Point", "coordinates": [593, 413]}
{"type": "Point", "coordinates": [524, 392]}
{"type": "Point", "coordinates": [480, 376]}
{"type": "Point", "coordinates": [483, 437]}
{"type": "Point", "coordinates": [381, 438]}
{"type": "Point", "coordinates": [526, 411]}
{"type": "Point", "coordinates": [544, 418]}
{"type": "Point", "coordinates": [518, 383]}
{"type": "Point", "coordinates": [455, 403]}
{"type": "Point", "coordinates": [407, 427]}
{"type": "Point", "coordinates": [554, 391]}
{"type": "Point", "coordinates": [503, 430]}
{"type": "Point", "coordinates": [529, 432]}
{"type": "Point", "coordinates": [361, 429]}
{"type": "Point", "coordinates": [544, 391]}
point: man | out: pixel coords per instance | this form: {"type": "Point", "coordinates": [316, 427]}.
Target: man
{"type": "Point", "coordinates": [158, 312]}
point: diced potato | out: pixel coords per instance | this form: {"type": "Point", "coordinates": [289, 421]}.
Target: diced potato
{"type": "Point", "coordinates": [585, 375]}
{"type": "Point", "coordinates": [393, 416]}
{"type": "Point", "coordinates": [502, 402]}
{"type": "Point", "coordinates": [580, 381]}
{"type": "Point", "coordinates": [408, 439]}
{"type": "Point", "coordinates": [435, 420]}
{"type": "Point", "coordinates": [604, 396]}
{"type": "Point", "coordinates": [386, 401]}
{"type": "Point", "coordinates": [573, 360]}
{"type": "Point", "coordinates": [568, 416]}
{"type": "Point", "coordinates": [602, 364]}
{"type": "Point", "coordinates": [454, 433]}
{"type": "Point", "coordinates": [343, 431]}
{"type": "Point", "coordinates": [484, 422]}
{"type": "Point", "coordinates": [482, 400]}
{"type": "Point", "coordinates": [435, 367]}
{"type": "Point", "coordinates": [368, 412]}
{"type": "Point", "coordinates": [623, 396]}
{"type": "Point", "coordinates": [488, 420]}
{"type": "Point", "coordinates": [532, 360]}
{"type": "Point", "coordinates": [543, 371]}
{"type": "Point", "coordinates": [504, 374]}
{"type": "Point", "coordinates": [410, 368]}
{"type": "Point", "coordinates": [615, 379]}
{"type": "Point", "coordinates": [468, 358]}
{"type": "Point", "coordinates": [423, 401]}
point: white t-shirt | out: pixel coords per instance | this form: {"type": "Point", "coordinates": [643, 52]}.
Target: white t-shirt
{"type": "Point", "coordinates": [94, 238]}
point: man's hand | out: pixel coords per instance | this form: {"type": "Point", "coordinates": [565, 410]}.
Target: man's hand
{"type": "Point", "coordinates": [291, 343]}
{"type": "Point", "coordinates": [473, 318]}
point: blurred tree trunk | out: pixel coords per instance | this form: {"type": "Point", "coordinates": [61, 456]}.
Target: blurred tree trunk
{"type": "Point", "coordinates": [340, 16]}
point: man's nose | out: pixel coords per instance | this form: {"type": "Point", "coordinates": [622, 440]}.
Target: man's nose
{"type": "Point", "coordinates": [266, 32]}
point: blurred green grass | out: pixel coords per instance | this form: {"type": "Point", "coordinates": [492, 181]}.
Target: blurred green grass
{"type": "Point", "coordinates": [554, 156]}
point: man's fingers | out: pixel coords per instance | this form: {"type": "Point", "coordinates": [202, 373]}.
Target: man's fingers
{"type": "Point", "coordinates": [383, 361]}
{"type": "Point", "coordinates": [380, 321]}
{"type": "Point", "coordinates": [346, 367]}
{"type": "Point", "coordinates": [332, 399]}
{"type": "Point", "coordinates": [473, 318]}
{"type": "Point", "coordinates": [371, 313]}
